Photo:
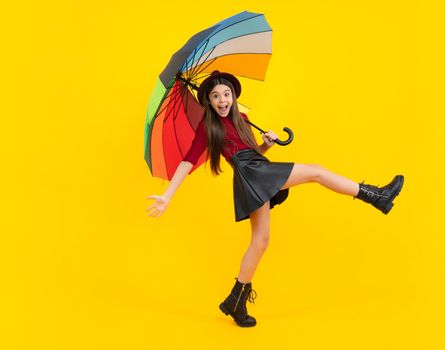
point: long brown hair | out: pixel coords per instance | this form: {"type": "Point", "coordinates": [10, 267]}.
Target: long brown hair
{"type": "Point", "coordinates": [215, 130]}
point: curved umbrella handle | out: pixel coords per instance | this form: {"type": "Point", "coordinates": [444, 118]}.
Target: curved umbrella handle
{"type": "Point", "coordinates": [289, 139]}
{"type": "Point", "coordinates": [277, 141]}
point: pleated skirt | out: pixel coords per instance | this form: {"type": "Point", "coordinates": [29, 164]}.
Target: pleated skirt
{"type": "Point", "coordinates": [257, 180]}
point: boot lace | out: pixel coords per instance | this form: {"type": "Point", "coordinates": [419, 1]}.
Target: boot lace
{"type": "Point", "coordinates": [251, 296]}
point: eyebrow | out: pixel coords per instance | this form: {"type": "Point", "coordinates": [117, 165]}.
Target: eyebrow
{"type": "Point", "coordinates": [215, 92]}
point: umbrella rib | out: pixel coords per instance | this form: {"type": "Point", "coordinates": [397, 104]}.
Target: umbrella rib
{"type": "Point", "coordinates": [189, 59]}
{"type": "Point", "coordinates": [197, 65]}
{"type": "Point", "coordinates": [186, 63]}
{"type": "Point", "coordinates": [204, 68]}
{"type": "Point", "coordinates": [174, 125]}
{"type": "Point", "coordinates": [172, 95]}
{"type": "Point", "coordinates": [176, 135]}
{"type": "Point", "coordinates": [151, 125]}
{"type": "Point", "coordinates": [200, 56]}
{"type": "Point", "coordinates": [174, 103]}
{"type": "Point", "coordinates": [166, 94]}
{"type": "Point", "coordinates": [167, 116]}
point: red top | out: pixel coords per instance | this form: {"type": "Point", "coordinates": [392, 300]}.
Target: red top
{"type": "Point", "coordinates": [199, 143]}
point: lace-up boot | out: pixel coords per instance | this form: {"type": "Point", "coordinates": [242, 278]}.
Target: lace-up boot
{"type": "Point", "coordinates": [235, 304]}
{"type": "Point", "coordinates": [381, 198]}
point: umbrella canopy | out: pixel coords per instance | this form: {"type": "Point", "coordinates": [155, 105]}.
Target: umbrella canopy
{"type": "Point", "coordinates": [241, 45]}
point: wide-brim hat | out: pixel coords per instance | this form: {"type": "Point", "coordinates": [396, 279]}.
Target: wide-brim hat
{"type": "Point", "coordinates": [215, 75]}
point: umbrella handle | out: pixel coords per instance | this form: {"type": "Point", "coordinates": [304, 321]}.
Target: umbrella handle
{"type": "Point", "coordinates": [280, 142]}
{"type": "Point", "coordinates": [289, 139]}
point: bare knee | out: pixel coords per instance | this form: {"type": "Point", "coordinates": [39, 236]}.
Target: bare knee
{"type": "Point", "coordinates": [261, 241]}
{"type": "Point", "coordinates": [317, 172]}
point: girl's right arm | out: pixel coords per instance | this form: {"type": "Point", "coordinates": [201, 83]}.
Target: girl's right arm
{"type": "Point", "coordinates": [161, 202]}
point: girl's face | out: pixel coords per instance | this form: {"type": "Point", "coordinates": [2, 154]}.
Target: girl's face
{"type": "Point", "coordinates": [221, 99]}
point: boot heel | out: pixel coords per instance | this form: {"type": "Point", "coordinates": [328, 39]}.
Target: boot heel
{"type": "Point", "coordinates": [223, 308]}
{"type": "Point", "coordinates": [388, 208]}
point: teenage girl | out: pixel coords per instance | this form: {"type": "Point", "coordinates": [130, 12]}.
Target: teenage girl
{"type": "Point", "coordinates": [258, 184]}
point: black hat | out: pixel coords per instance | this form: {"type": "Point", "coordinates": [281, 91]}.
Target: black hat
{"type": "Point", "coordinates": [215, 75]}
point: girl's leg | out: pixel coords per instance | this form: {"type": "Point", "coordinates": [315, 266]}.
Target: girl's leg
{"type": "Point", "coordinates": [260, 224]}
{"type": "Point", "coordinates": [305, 173]}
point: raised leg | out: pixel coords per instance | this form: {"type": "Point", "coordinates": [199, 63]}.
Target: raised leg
{"type": "Point", "coordinates": [306, 173]}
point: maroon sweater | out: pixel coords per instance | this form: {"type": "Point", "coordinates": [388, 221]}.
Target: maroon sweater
{"type": "Point", "coordinates": [199, 143]}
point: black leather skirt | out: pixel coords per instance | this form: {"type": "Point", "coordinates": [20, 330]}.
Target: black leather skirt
{"type": "Point", "coordinates": [257, 180]}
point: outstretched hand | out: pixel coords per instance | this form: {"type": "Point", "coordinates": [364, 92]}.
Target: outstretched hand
{"type": "Point", "coordinates": [158, 206]}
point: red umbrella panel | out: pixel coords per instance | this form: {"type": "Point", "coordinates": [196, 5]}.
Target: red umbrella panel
{"type": "Point", "coordinates": [174, 128]}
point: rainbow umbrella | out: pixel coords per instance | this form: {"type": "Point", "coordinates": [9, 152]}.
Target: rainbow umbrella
{"type": "Point", "coordinates": [241, 45]}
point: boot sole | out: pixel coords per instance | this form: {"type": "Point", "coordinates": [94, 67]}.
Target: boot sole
{"type": "Point", "coordinates": [391, 204]}
{"type": "Point", "coordinates": [223, 308]}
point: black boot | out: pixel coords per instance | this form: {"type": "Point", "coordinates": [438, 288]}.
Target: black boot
{"type": "Point", "coordinates": [235, 304]}
{"type": "Point", "coordinates": [381, 198]}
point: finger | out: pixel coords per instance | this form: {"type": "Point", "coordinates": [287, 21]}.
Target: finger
{"type": "Point", "coordinates": [159, 214]}
{"type": "Point", "coordinates": [154, 205]}
{"type": "Point", "coordinates": [152, 211]}
{"type": "Point", "coordinates": [152, 197]}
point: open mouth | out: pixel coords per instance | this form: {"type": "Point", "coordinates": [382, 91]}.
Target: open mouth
{"type": "Point", "coordinates": [223, 109]}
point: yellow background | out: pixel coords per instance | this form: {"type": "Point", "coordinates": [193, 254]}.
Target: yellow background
{"type": "Point", "coordinates": [84, 267]}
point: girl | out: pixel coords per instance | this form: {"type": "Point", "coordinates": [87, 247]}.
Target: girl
{"type": "Point", "coordinates": [258, 184]}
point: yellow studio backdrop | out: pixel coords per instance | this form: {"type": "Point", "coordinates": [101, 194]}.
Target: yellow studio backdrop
{"type": "Point", "coordinates": [84, 267]}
